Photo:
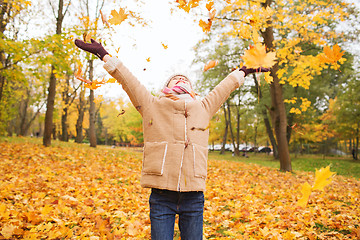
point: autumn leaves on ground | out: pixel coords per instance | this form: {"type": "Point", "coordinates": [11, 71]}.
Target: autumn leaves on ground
{"type": "Point", "coordinates": [76, 192]}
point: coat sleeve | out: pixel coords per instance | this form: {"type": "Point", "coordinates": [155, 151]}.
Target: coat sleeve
{"type": "Point", "coordinates": [138, 94]}
{"type": "Point", "coordinates": [213, 101]}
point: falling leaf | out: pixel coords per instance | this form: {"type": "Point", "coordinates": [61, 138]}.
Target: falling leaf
{"type": "Point", "coordinates": [104, 20]}
{"type": "Point", "coordinates": [148, 59]}
{"type": "Point", "coordinates": [209, 6]}
{"type": "Point", "coordinates": [206, 26]}
{"type": "Point", "coordinates": [121, 113]}
{"type": "Point", "coordinates": [211, 64]}
{"type": "Point", "coordinates": [111, 80]}
{"type": "Point", "coordinates": [305, 191]}
{"type": "Point", "coordinates": [118, 17]}
{"type": "Point", "coordinates": [92, 85]}
{"type": "Point", "coordinates": [257, 57]}
{"type": "Point", "coordinates": [164, 46]}
{"type": "Point", "coordinates": [117, 50]}
{"type": "Point", "coordinates": [78, 71]}
{"type": "Point", "coordinates": [87, 36]}
{"type": "Point", "coordinates": [322, 178]}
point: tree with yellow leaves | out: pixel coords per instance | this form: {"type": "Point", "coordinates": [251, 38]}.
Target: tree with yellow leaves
{"type": "Point", "coordinates": [285, 27]}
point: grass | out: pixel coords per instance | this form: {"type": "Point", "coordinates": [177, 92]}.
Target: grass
{"type": "Point", "coordinates": [344, 166]}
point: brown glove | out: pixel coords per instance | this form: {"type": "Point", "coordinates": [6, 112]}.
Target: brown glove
{"type": "Point", "coordinates": [93, 47]}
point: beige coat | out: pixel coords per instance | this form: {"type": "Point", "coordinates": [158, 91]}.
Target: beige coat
{"type": "Point", "coordinates": [175, 147]}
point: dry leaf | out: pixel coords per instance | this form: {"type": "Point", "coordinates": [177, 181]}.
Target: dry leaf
{"type": "Point", "coordinates": [305, 191]}
{"type": "Point", "coordinates": [117, 17]}
{"type": "Point", "coordinates": [332, 56]}
{"type": "Point", "coordinates": [104, 20]}
{"type": "Point", "coordinates": [209, 6]}
{"type": "Point", "coordinates": [164, 46]}
{"type": "Point", "coordinates": [322, 178]}
{"type": "Point", "coordinates": [257, 57]}
{"type": "Point", "coordinates": [206, 26]}
{"type": "Point", "coordinates": [211, 64]}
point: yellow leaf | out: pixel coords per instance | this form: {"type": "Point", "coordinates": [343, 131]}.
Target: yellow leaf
{"type": "Point", "coordinates": [269, 79]}
{"type": "Point", "coordinates": [111, 80]}
{"type": "Point", "coordinates": [306, 191]}
{"type": "Point", "coordinates": [117, 17]}
{"type": "Point", "coordinates": [46, 210]}
{"type": "Point", "coordinates": [148, 59]}
{"type": "Point", "coordinates": [87, 36]}
{"type": "Point", "coordinates": [322, 178]}
{"type": "Point", "coordinates": [257, 57]}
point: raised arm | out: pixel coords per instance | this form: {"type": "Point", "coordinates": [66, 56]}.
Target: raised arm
{"type": "Point", "coordinates": [213, 101]}
{"type": "Point", "coordinates": [137, 93]}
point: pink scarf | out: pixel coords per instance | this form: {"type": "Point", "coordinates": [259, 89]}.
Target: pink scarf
{"type": "Point", "coordinates": [179, 91]}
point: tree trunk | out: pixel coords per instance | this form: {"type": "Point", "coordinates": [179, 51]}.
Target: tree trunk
{"type": "Point", "coordinates": [79, 121]}
{"type": "Point", "coordinates": [278, 107]}
{"type": "Point", "coordinates": [64, 126]}
{"type": "Point", "coordinates": [52, 86]}
{"type": "Point", "coordinates": [24, 104]}
{"type": "Point", "coordinates": [236, 149]}
{"type": "Point", "coordinates": [4, 18]}
{"type": "Point", "coordinates": [92, 119]}
{"type": "Point", "coordinates": [357, 142]}
{"type": "Point", "coordinates": [64, 115]}
{"type": "Point", "coordinates": [50, 109]}
{"type": "Point", "coordinates": [270, 134]}
{"type": "Point", "coordinates": [267, 122]}
{"type": "Point", "coordinates": [222, 151]}
{"type": "Point", "coordinates": [230, 125]}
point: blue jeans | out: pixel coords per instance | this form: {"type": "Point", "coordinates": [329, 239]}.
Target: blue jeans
{"type": "Point", "coordinates": [165, 204]}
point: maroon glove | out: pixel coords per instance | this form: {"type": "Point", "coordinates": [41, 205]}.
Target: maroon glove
{"type": "Point", "coordinates": [248, 71]}
{"type": "Point", "coordinates": [93, 47]}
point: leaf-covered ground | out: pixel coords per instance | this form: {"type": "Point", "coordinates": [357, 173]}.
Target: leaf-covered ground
{"type": "Point", "coordinates": [84, 193]}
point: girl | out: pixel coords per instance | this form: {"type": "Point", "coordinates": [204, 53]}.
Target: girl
{"type": "Point", "coordinates": [175, 143]}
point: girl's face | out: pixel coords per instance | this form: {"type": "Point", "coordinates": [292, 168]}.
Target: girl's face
{"type": "Point", "coordinates": [178, 79]}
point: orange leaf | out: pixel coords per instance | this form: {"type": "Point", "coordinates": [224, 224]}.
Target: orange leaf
{"type": "Point", "coordinates": [164, 46]}
{"type": "Point", "coordinates": [332, 56]}
{"type": "Point", "coordinates": [148, 59]}
{"type": "Point", "coordinates": [257, 57]}
{"type": "Point", "coordinates": [211, 64]}
{"type": "Point", "coordinates": [87, 36]}
{"type": "Point", "coordinates": [117, 17]}
{"type": "Point", "coordinates": [209, 5]}
{"type": "Point", "coordinates": [205, 25]}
